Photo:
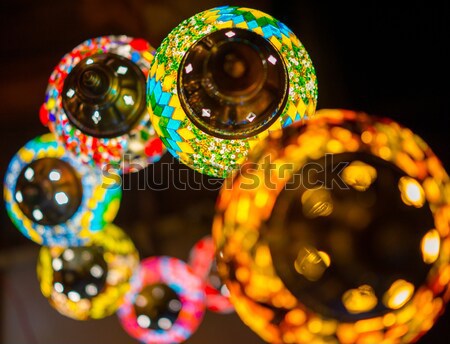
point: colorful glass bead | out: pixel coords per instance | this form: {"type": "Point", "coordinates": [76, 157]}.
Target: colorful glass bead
{"type": "Point", "coordinates": [337, 231]}
{"type": "Point", "coordinates": [222, 80]}
{"type": "Point", "coordinates": [54, 199]}
{"type": "Point", "coordinates": [203, 262]}
{"type": "Point", "coordinates": [88, 282]}
{"type": "Point", "coordinates": [95, 103]}
{"type": "Point", "coordinates": [165, 304]}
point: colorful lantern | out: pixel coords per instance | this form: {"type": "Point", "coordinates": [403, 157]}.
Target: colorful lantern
{"type": "Point", "coordinates": [222, 80]}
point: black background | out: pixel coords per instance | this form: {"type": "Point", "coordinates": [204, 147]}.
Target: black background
{"type": "Point", "coordinates": [386, 58]}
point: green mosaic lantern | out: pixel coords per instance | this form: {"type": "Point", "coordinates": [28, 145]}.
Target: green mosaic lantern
{"type": "Point", "coordinates": [222, 80]}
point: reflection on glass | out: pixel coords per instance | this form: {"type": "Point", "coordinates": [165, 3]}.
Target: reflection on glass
{"type": "Point", "coordinates": [412, 192]}
{"type": "Point", "coordinates": [104, 95]}
{"type": "Point", "coordinates": [157, 307]}
{"type": "Point", "coordinates": [48, 191]}
{"type": "Point", "coordinates": [311, 263]}
{"type": "Point", "coordinates": [359, 175]}
{"type": "Point", "coordinates": [53, 198]}
{"type": "Point", "coordinates": [233, 84]}
{"type": "Point", "coordinates": [360, 300]}
{"type": "Point", "coordinates": [88, 282]}
{"type": "Point", "coordinates": [398, 294]}
{"type": "Point", "coordinates": [80, 272]}
{"type": "Point", "coordinates": [317, 202]}
{"type": "Point", "coordinates": [430, 246]}
{"type": "Point", "coordinates": [165, 304]}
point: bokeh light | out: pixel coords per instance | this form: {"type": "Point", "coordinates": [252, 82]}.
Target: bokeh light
{"type": "Point", "coordinates": [336, 231]}
{"type": "Point", "coordinates": [203, 262]}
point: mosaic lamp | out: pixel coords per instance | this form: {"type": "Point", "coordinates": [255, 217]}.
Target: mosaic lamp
{"type": "Point", "coordinates": [95, 104]}
{"type": "Point", "coordinates": [221, 81]}
{"type": "Point", "coordinates": [166, 302]}
{"type": "Point", "coordinates": [88, 282]}
{"type": "Point", "coordinates": [54, 199]}
{"type": "Point", "coordinates": [337, 231]}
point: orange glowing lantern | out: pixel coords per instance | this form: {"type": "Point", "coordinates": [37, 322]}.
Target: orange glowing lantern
{"type": "Point", "coordinates": [337, 231]}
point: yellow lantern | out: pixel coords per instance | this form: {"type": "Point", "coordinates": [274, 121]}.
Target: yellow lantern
{"type": "Point", "coordinates": [88, 282]}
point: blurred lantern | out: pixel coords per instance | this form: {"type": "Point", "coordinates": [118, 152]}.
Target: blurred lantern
{"type": "Point", "coordinates": [222, 80]}
{"type": "Point", "coordinates": [88, 282]}
{"type": "Point", "coordinates": [53, 199]}
{"type": "Point", "coordinates": [203, 262]}
{"type": "Point", "coordinates": [337, 231]}
{"type": "Point", "coordinates": [165, 304]}
{"type": "Point", "coordinates": [95, 103]}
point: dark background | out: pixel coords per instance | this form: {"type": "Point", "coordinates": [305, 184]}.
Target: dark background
{"type": "Point", "coordinates": [385, 58]}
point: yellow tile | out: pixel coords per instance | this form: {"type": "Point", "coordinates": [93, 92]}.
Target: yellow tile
{"type": "Point", "coordinates": [86, 219]}
{"type": "Point", "coordinates": [112, 210]}
{"type": "Point", "coordinates": [148, 56]}
{"type": "Point", "coordinates": [311, 110]}
{"type": "Point", "coordinates": [7, 194]}
{"type": "Point", "coordinates": [49, 137]}
{"type": "Point", "coordinates": [186, 134]}
{"type": "Point", "coordinates": [155, 121]}
{"type": "Point", "coordinates": [301, 108]}
{"type": "Point", "coordinates": [185, 147]}
{"type": "Point", "coordinates": [258, 30]}
{"type": "Point", "coordinates": [153, 69]}
{"type": "Point", "coordinates": [224, 25]}
{"type": "Point", "coordinates": [35, 236]}
{"type": "Point", "coordinates": [242, 25]}
{"type": "Point", "coordinates": [178, 114]}
{"type": "Point", "coordinates": [292, 111]}
{"type": "Point", "coordinates": [257, 14]}
{"type": "Point", "coordinates": [275, 126]}
{"type": "Point", "coordinates": [50, 104]}
{"type": "Point", "coordinates": [211, 19]}
{"type": "Point", "coordinates": [275, 42]}
{"type": "Point", "coordinates": [99, 193]}
{"type": "Point", "coordinates": [168, 83]}
{"type": "Point", "coordinates": [253, 143]}
{"type": "Point", "coordinates": [26, 155]}
{"type": "Point", "coordinates": [286, 40]}
{"type": "Point", "coordinates": [160, 72]}
{"type": "Point", "coordinates": [295, 41]}
{"type": "Point", "coordinates": [174, 102]}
